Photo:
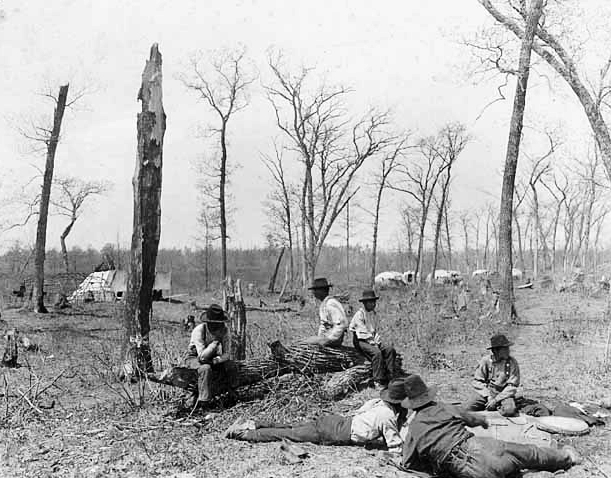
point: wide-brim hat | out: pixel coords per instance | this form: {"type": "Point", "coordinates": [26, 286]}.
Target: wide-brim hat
{"type": "Point", "coordinates": [320, 283]}
{"type": "Point", "coordinates": [215, 315]}
{"type": "Point", "coordinates": [499, 340]}
{"type": "Point", "coordinates": [418, 394]}
{"type": "Point", "coordinates": [395, 392]}
{"type": "Point", "coordinates": [368, 295]}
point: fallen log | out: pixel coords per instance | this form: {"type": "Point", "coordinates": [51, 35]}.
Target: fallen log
{"type": "Point", "coordinates": [353, 379]}
{"type": "Point", "coordinates": [300, 357]}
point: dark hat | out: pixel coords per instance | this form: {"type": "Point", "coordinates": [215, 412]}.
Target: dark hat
{"type": "Point", "coordinates": [320, 283]}
{"type": "Point", "coordinates": [395, 393]}
{"type": "Point", "coordinates": [368, 295]}
{"type": "Point", "coordinates": [499, 340]}
{"type": "Point", "coordinates": [215, 314]}
{"type": "Point", "coordinates": [418, 394]}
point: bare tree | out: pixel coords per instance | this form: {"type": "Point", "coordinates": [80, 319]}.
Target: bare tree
{"type": "Point", "coordinates": [409, 217]}
{"type": "Point", "coordinates": [506, 298]}
{"type": "Point", "coordinates": [387, 166]}
{"type": "Point", "coordinates": [223, 85]}
{"type": "Point", "coordinates": [418, 179]}
{"type": "Point", "coordinates": [557, 190]}
{"type": "Point", "coordinates": [280, 202]}
{"type": "Point", "coordinates": [466, 224]}
{"type": "Point", "coordinates": [151, 124]}
{"type": "Point", "coordinates": [329, 146]}
{"type": "Point", "coordinates": [540, 167]}
{"type": "Point", "coordinates": [550, 46]}
{"type": "Point", "coordinates": [448, 145]}
{"type": "Point", "coordinates": [71, 193]}
{"type": "Point", "coordinates": [49, 136]}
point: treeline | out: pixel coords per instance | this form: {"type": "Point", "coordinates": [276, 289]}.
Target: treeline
{"type": "Point", "coordinates": [254, 265]}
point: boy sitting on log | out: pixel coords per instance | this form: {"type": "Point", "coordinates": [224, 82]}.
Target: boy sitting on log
{"type": "Point", "coordinates": [333, 321]}
{"type": "Point", "coordinates": [209, 349]}
{"type": "Point", "coordinates": [368, 342]}
{"type": "Point", "coordinates": [375, 419]}
{"type": "Point", "coordinates": [496, 380]}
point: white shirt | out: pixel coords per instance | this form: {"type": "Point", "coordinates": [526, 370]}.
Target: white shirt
{"type": "Point", "coordinates": [363, 324]}
{"type": "Point", "coordinates": [333, 320]}
{"type": "Point", "coordinates": [376, 419]}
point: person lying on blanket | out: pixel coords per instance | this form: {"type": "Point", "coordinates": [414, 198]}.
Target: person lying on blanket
{"type": "Point", "coordinates": [437, 441]}
{"type": "Point", "coordinates": [376, 419]}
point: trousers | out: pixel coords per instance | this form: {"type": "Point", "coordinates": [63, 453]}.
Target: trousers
{"type": "Point", "coordinates": [326, 430]}
{"type": "Point", "coordinates": [226, 372]}
{"type": "Point", "coordinates": [382, 360]}
{"type": "Point", "coordinates": [482, 457]}
{"type": "Point", "coordinates": [476, 403]}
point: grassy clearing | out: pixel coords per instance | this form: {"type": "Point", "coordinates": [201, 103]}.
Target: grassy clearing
{"type": "Point", "coordinates": [64, 413]}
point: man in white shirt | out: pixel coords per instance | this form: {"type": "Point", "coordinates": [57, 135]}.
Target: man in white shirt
{"type": "Point", "coordinates": [364, 325]}
{"type": "Point", "coordinates": [209, 349]}
{"type": "Point", "coordinates": [376, 419]}
{"type": "Point", "coordinates": [333, 320]}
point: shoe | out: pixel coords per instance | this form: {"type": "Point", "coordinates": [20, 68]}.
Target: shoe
{"type": "Point", "coordinates": [238, 427]}
{"type": "Point", "coordinates": [573, 455]}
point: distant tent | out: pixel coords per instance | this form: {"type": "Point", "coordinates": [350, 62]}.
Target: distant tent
{"type": "Point", "coordinates": [108, 286]}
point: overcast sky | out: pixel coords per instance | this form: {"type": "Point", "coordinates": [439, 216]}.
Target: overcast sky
{"type": "Point", "coordinates": [406, 56]}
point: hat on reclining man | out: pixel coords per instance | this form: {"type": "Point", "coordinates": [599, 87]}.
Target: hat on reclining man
{"type": "Point", "coordinates": [418, 394]}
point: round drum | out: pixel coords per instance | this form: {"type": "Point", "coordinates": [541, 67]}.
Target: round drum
{"type": "Point", "coordinates": [562, 425]}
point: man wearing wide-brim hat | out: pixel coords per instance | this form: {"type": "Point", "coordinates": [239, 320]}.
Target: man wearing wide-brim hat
{"type": "Point", "coordinates": [438, 442]}
{"type": "Point", "coordinates": [209, 349]}
{"type": "Point", "coordinates": [364, 325]}
{"type": "Point", "coordinates": [377, 418]}
{"type": "Point", "coordinates": [333, 321]}
{"type": "Point", "coordinates": [496, 379]}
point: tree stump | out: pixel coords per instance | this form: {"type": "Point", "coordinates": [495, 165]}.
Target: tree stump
{"type": "Point", "coordinates": [11, 354]}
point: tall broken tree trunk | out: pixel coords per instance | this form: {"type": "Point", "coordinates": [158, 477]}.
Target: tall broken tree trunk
{"type": "Point", "coordinates": [45, 195]}
{"type": "Point", "coordinates": [147, 219]}
{"type": "Point", "coordinates": [272, 281]}
{"type": "Point", "coordinates": [236, 309]}
{"type": "Point", "coordinates": [506, 298]}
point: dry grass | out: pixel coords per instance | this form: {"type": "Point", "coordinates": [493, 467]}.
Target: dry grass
{"type": "Point", "coordinates": [99, 426]}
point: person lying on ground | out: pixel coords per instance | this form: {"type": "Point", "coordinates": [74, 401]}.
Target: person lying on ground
{"type": "Point", "coordinates": [438, 442]}
{"type": "Point", "coordinates": [376, 419]}
{"type": "Point", "coordinates": [367, 341]}
{"type": "Point", "coordinates": [209, 349]}
{"type": "Point", "coordinates": [496, 380]}
{"type": "Point", "coordinates": [333, 321]}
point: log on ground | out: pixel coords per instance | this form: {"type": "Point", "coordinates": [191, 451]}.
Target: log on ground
{"type": "Point", "coordinates": [300, 357]}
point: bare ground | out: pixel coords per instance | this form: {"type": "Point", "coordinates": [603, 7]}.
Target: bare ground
{"type": "Point", "coordinates": [64, 414]}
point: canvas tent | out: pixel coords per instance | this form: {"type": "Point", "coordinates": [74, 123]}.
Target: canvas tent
{"type": "Point", "coordinates": [108, 286]}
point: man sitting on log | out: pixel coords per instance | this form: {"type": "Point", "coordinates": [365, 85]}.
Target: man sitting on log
{"type": "Point", "coordinates": [375, 419]}
{"type": "Point", "coordinates": [368, 342]}
{"type": "Point", "coordinates": [437, 441]}
{"type": "Point", "coordinates": [333, 321]}
{"type": "Point", "coordinates": [209, 349]}
{"type": "Point", "coordinates": [496, 380]}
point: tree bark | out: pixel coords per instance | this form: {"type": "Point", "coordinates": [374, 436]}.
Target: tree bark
{"type": "Point", "coordinates": [41, 230]}
{"type": "Point", "coordinates": [506, 298]}
{"type": "Point", "coordinates": [272, 280]}
{"type": "Point", "coordinates": [62, 241]}
{"type": "Point", "coordinates": [222, 205]}
{"type": "Point", "coordinates": [151, 126]}
{"type": "Point", "coordinates": [374, 242]}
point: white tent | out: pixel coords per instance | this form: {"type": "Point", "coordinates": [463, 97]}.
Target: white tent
{"type": "Point", "coordinates": [96, 287]}
{"type": "Point", "coordinates": [108, 286]}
